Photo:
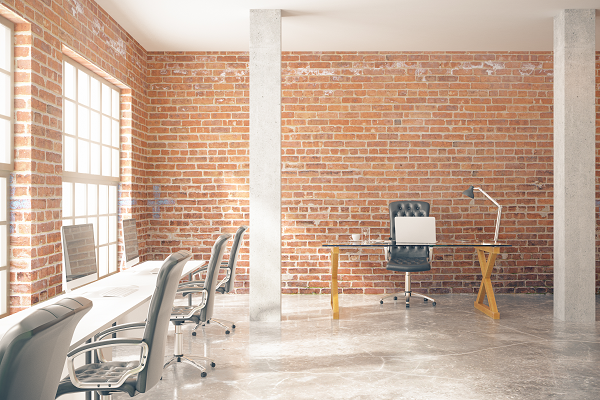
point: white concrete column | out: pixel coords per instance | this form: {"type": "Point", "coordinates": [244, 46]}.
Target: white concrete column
{"type": "Point", "coordinates": [574, 166]}
{"type": "Point", "coordinates": [265, 165]}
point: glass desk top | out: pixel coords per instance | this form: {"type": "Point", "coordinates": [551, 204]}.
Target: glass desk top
{"type": "Point", "coordinates": [439, 243]}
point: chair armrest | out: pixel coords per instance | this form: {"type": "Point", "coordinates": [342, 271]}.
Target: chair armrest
{"type": "Point", "coordinates": [84, 348]}
{"type": "Point", "coordinates": [99, 345]}
{"type": "Point", "coordinates": [201, 268]}
{"type": "Point", "coordinates": [192, 284]}
{"type": "Point", "coordinates": [191, 310]}
{"type": "Point", "coordinates": [190, 290]}
{"type": "Point", "coordinates": [387, 251]}
{"type": "Point", "coordinates": [114, 329]}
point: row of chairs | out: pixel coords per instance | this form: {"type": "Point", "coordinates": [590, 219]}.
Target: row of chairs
{"type": "Point", "coordinates": [202, 313]}
{"type": "Point", "coordinates": [32, 353]}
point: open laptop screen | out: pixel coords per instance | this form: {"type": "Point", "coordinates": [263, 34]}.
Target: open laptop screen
{"type": "Point", "coordinates": [415, 230]}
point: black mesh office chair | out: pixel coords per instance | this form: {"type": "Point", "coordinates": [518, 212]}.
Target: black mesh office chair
{"type": "Point", "coordinates": [202, 313]}
{"type": "Point", "coordinates": [226, 285]}
{"type": "Point", "coordinates": [33, 352]}
{"type": "Point", "coordinates": [407, 258]}
{"type": "Point", "coordinates": [140, 375]}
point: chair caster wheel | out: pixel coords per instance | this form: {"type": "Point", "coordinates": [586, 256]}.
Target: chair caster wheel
{"type": "Point", "coordinates": [232, 326]}
{"type": "Point", "coordinates": [395, 298]}
{"type": "Point", "coordinates": [380, 301]}
{"type": "Point", "coordinates": [433, 304]}
{"type": "Point", "coordinates": [203, 374]}
{"type": "Point", "coordinates": [425, 300]}
{"type": "Point", "coordinates": [193, 333]}
{"type": "Point", "coordinates": [227, 332]}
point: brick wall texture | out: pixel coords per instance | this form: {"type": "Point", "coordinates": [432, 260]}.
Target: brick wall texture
{"type": "Point", "coordinates": [359, 130]}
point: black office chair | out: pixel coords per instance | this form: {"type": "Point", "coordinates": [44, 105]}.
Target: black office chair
{"type": "Point", "coordinates": [202, 313]}
{"type": "Point", "coordinates": [140, 375]}
{"type": "Point", "coordinates": [226, 285]}
{"type": "Point", "coordinates": [33, 352]}
{"type": "Point", "coordinates": [407, 258]}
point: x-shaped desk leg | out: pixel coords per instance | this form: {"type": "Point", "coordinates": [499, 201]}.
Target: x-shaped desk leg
{"type": "Point", "coordinates": [335, 255]}
{"type": "Point", "coordinates": [486, 283]}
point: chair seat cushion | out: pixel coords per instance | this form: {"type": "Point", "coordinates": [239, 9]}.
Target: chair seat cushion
{"type": "Point", "coordinates": [184, 313]}
{"type": "Point", "coordinates": [408, 264]}
{"type": "Point", "coordinates": [102, 374]}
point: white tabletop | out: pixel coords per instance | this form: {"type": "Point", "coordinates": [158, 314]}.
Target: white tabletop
{"type": "Point", "coordinates": [106, 310]}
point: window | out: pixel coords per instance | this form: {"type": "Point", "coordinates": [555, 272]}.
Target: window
{"type": "Point", "coordinates": [6, 151]}
{"type": "Point", "coordinates": [91, 142]}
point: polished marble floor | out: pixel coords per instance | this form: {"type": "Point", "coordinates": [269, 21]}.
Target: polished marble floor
{"type": "Point", "coordinates": [387, 351]}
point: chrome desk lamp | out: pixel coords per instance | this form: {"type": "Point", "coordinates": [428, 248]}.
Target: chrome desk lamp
{"type": "Point", "coordinates": [469, 192]}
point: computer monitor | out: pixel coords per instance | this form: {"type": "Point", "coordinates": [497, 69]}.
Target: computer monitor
{"type": "Point", "coordinates": [79, 256]}
{"type": "Point", "coordinates": [130, 240]}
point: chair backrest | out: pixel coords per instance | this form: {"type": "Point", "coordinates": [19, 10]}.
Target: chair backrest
{"type": "Point", "coordinates": [234, 255]}
{"type": "Point", "coordinates": [33, 352]}
{"type": "Point", "coordinates": [212, 273]}
{"type": "Point", "coordinates": [159, 314]}
{"type": "Point", "coordinates": [407, 208]}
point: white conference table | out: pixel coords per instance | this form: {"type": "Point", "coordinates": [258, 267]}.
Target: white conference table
{"type": "Point", "coordinates": [106, 310]}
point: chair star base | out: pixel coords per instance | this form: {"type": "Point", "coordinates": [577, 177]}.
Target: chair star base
{"type": "Point", "coordinates": [408, 293]}
{"type": "Point", "coordinates": [228, 325]}
{"type": "Point", "coordinates": [179, 357]}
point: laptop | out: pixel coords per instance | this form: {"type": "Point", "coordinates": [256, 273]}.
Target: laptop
{"type": "Point", "coordinates": [415, 230]}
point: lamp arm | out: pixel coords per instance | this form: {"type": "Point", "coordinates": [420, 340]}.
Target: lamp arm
{"type": "Point", "coordinates": [499, 213]}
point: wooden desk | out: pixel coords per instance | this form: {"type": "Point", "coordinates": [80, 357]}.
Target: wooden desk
{"type": "Point", "coordinates": [492, 249]}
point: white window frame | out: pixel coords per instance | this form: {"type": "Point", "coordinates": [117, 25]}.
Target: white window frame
{"type": "Point", "coordinates": [4, 244]}
{"type": "Point", "coordinates": [6, 164]}
{"type": "Point", "coordinates": [87, 175]}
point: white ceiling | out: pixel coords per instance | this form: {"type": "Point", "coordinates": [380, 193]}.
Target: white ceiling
{"type": "Point", "coordinates": [347, 25]}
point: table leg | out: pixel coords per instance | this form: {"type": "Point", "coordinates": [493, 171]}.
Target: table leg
{"type": "Point", "coordinates": [335, 255]}
{"type": "Point", "coordinates": [487, 266]}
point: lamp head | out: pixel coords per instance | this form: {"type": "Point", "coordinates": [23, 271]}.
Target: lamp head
{"type": "Point", "coordinates": [469, 192]}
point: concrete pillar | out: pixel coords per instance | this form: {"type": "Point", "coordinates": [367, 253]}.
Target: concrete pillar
{"type": "Point", "coordinates": [574, 166]}
{"type": "Point", "coordinates": [265, 165]}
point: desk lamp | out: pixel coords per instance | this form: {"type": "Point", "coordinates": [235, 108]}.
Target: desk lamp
{"type": "Point", "coordinates": [469, 192]}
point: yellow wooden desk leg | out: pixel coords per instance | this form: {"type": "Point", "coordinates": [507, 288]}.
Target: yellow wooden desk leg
{"type": "Point", "coordinates": [335, 255]}
{"type": "Point", "coordinates": [486, 288]}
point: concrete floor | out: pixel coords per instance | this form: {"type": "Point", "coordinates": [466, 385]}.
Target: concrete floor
{"type": "Point", "coordinates": [375, 351]}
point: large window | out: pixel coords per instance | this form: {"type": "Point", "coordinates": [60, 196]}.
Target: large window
{"type": "Point", "coordinates": [91, 132]}
{"type": "Point", "coordinates": [6, 151]}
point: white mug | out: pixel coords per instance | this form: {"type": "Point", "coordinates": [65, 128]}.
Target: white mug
{"type": "Point", "coordinates": [356, 237]}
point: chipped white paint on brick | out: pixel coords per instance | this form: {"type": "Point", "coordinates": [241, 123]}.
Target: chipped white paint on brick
{"type": "Point", "coordinates": [490, 66]}
{"type": "Point", "coordinates": [529, 69]}
{"type": "Point", "coordinates": [114, 46]}
{"type": "Point", "coordinates": [118, 46]}
{"type": "Point", "coordinates": [76, 8]}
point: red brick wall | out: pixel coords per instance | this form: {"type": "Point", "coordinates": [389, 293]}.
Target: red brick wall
{"type": "Point", "coordinates": [198, 151]}
{"type": "Point", "coordinates": [42, 29]}
{"type": "Point", "coordinates": [361, 130]}
{"type": "Point", "coordinates": [365, 129]}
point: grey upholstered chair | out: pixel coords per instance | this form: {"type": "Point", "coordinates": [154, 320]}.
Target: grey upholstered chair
{"type": "Point", "coordinates": [201, 313]}
{"type": "Point", "coordinates": [407, 258]}
{"type": "Point", "coordinates": [226, 285]}
{"type": "Point", "coordinates": [33, 352]}
{"type": "Point", "coordinates": [140, 375]}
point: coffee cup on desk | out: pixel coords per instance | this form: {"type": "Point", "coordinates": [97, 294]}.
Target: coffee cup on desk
{"type": "Point", "coordinates": [356, 237]}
